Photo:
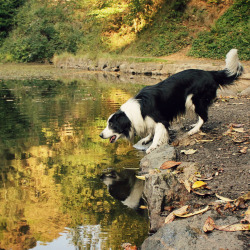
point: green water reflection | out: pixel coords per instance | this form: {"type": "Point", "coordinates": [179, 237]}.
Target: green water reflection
{"type": "Point", "coordinates": [51, 160]}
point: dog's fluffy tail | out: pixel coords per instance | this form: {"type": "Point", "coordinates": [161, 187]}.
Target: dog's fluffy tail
{"type": "Point", "coordinates": [232, 71]}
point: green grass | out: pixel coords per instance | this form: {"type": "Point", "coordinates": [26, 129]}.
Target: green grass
{"type": "Point", "coordinates": [230, 31]}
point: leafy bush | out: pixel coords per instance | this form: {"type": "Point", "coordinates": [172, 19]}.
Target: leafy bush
{"type": "Point", "coordinates": [230, 31]}
{"type": "Point", "coordinates": [43, 29]}
{"type": "Point", "coordinates": [8, 10]}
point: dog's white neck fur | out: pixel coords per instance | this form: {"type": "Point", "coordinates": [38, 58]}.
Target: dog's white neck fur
{"type": "Point", "coordinates": [133, 111]}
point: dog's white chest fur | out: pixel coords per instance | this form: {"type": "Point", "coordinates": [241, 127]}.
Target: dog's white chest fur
{"type": "Point", "coordinates": [141, 126]}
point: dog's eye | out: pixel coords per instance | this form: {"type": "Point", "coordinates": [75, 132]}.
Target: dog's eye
{"type": "Point", "coordinates": [111, 124]}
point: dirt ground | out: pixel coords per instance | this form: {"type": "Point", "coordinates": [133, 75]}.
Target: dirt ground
{"type": "Point", "coordinates": [223, 147]}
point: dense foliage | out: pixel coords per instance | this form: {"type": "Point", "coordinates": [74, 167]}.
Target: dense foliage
{"type": "Point", "coordinates": [43, 29]}
{"type": "Point", "coordinates": [8, 10]}
{"type": "Point", "coordinates": [38, 30]}
{"type": "Point", "coordinates": [230, 31]}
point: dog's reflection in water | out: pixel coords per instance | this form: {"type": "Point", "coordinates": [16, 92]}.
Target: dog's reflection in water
{"type": "Point", "coordinates": [125, 187]}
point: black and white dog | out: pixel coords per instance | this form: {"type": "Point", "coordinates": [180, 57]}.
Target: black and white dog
{"type": "Point", "coordinates": [151, 111]}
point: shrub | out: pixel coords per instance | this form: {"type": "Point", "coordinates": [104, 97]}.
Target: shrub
{"type": "Point", "coordinates": [230, 31]}
{"type": "Point", "coordinates": [43, 29]}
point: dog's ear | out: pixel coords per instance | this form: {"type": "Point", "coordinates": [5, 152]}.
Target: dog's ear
{"type": "Point", "coordinates": [125, 124]}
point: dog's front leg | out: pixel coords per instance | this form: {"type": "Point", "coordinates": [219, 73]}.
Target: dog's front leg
{"type": "Point", "coordinates": [147, 139]}
{"type": "Point", "coordinates": [160, 137]}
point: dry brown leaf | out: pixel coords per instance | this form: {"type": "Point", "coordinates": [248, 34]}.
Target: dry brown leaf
{"type": "Point", "coordinates": [239, 130]}
{"type": "Point", "coordinates": [228, 205]}
{"type": "Point", "coordinates": [128, 246]}
{"type": "Point", "coordinates": [209, 225]}
{"type": "Point", "coordinates": [246, 219]}
{"type": "Point", "coordinates": [244, 150]}
{"type": "Point", "coordinates": [205, 179]}
{"type": "Point", "coordinates": [236, 125]}
{"type": "Point", "coordinates": [170, 218]}
{"type": "Point", "coordinates": [203, 194]}
{"type": "Point", "coordinates": [189, 151]}
{"type": "Point", "coordinates": [199, 184]}
{"type": "Point", "coordinates": [203, 140]}
{"type": "Point", "coordinates": [233, 228]}
{"type": "Point", "coordinates": [177, 212]}
{"type": "Point", "coordinates": [194, 213]}
{"type": "Point", "coordinates": [223, 198]}
{"type": "Point", "coordinates": [181, 211]}
{"type": "Point", "coordinates": [240, 201]}
{"type": "Point", "coordinates": [169, 164]}
{"type": "Point", "coordinates": [187, 185]}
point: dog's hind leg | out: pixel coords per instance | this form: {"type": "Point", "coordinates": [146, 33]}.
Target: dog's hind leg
{"type": "Point", "coordinates": [160, 137]}
{"type": "Point", "coordinates": [196, 127]}
{"type": "Point", "coordinates": [202, 111]}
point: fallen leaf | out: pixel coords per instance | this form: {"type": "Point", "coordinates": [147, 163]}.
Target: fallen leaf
{"type": "Point", "coordinates": [223, 198]}
{"type": "Point", "coordinates": [189, 151]}
{"type": "Point", "coordinates": [170, 218]}
{"type": "Point", "coordinates": [205, 179]}
{"type": "Point", "coordinates": [128, 246]}
{"type": "Point", "coordinates": [143, 207]}
{"type": "Point", "coordinates": [246, 219]}
{"type": "Point", "coordinates": [140, 177]}
{"type": "Point", "coordinates": [246, 196]}
{"type": "Point", "coordinates": [244, 150]}
{"type": "Point", "coordinates": [177, 212]}
{"type": "Point", "coordinates": [201, 133]}
{"type": "Point", "coordinates": [203, 194]}
{"type": "Point", "coordinates": [203, 140]}
{"type": "Point", "coordinates": [199, 184]}
{"type": "Point", "coordinates": [240, 201]}
{"type": "Point", "coordinates": [236, 140]}
{"type": "Point", "coordinates": [218, 210]}
{"type": "Point", "coordinates": [187, 185]}
{"type": "Point", "coordinates": [194, 213]}
{"type": "Point", "coordinates": [169, 164]}
{"type": "Point", "coordinates": [233, 228]}
{"type": "Point", "coordinates": [209, 225]}
{"type": "Point", "coordinates": [228, 205]}
{"type": "Point", "coordinates": [236, 125]}
{"type": "Point", "coordinates": [181, 211]}
{"type": "Point", "coordinates": [239, 130]}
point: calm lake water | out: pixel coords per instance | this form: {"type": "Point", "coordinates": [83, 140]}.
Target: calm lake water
{"type": "Point", "coordinates": [51, 195]}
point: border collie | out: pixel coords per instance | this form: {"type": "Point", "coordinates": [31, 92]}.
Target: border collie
{"type": "Point", "coordinates": [151, 111]}
{"type": "Point", "coordinates": [125, 187]}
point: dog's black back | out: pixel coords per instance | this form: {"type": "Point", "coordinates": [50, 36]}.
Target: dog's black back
{"type": "Point", "coordinates": [166, 100]}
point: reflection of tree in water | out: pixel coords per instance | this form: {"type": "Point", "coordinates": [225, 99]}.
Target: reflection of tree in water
{"type": "Point", "coordinates": [12, 124]}
{"type": "Point", "coordinates": [52, 159]}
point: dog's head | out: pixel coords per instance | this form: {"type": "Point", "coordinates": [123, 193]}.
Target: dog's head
{"type": "Point", "coordinates": [118, 125]}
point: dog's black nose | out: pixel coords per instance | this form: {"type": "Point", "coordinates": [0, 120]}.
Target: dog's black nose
{"type": "Point", "coordinates": [101, 135]}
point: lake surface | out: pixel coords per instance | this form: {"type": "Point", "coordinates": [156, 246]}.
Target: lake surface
{"type": "Point", "coordinates": [51, 195]}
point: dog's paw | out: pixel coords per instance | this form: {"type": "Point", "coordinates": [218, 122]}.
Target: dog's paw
{"type": "Point", "coordinates": [150, 149]}
{"type": "Point", "coordinates": [193, 131]}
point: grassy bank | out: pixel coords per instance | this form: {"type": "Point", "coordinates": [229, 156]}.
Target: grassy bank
{"type": "Point", "coordinates": [39, 30]}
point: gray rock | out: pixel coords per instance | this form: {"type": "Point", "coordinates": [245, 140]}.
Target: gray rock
{"type": "Point", "coordinates": [187, 234]}
{"type": "Point", "coordinates": [246, 91]}
{"type": "Point", "coordinates": [157, 157]}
